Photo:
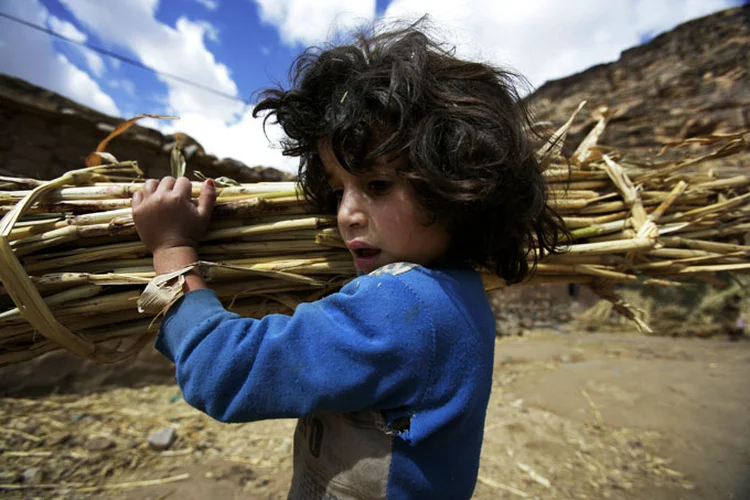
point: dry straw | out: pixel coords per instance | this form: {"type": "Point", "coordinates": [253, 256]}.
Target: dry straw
{"type": "Point", "coordinates": [73, 267]}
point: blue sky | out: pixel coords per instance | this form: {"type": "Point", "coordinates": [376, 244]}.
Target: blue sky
{"type": "Point", "coordinates": [240, 46]}
{"type": "Point", "coordinates": [233, 32]}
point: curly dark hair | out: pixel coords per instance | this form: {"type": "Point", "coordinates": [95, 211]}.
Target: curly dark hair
{"type": "Point", "coordinates": [460, 125]}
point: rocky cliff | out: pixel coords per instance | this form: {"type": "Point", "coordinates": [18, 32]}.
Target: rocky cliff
{"type": "Point", "coordinates": [690, 81]}
{"type": "Point", "coordinates": [43, 135]}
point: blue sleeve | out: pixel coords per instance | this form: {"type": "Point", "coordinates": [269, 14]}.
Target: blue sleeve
{"type": "Point", "coordinates": [368, 346]}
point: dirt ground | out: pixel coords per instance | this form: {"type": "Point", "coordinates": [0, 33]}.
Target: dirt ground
{"type": "Point", "coordinates": [572, 415]}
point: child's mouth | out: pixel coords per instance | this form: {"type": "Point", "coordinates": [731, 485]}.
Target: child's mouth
{"type": "Point", "coordinates": [366, 252]}
{"type": "Point", "coordinates": [365, 258]}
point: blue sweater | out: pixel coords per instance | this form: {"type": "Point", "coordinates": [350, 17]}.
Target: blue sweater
{"type": "Point", "coordinates": [390, 378]}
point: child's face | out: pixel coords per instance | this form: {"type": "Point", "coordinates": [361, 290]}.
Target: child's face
{"type": "Point", "coordinates": [379, 216]}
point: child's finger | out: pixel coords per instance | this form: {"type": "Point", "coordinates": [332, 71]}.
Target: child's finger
{"type": "Point", "coordinates": [136, 199]}
{"type": "Point", "coordinates": [166, 184]}
{"type": "Point", "coordinates": [150, 185]}
{"type": "Point", "coordinates": [183, 187]}
{"type": "Point", "coordinates": [207, 198]}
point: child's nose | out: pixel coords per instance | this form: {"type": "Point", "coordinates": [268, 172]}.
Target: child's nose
{"type": "Point", "coordinates": [351, 213]}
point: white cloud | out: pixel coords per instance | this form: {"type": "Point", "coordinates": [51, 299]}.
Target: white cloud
{"type": "Point", "coordinates": [242, 140]}
{"type": "Point", "coordinates": [178, 50]}
{"type": "Point", "coordinates": [549, 39]}
{"type": "Point", "coordinates": [125, 85]}
{"type": "Point", "coordinates": [84, 85]}
{"type": "Point", "coordinates": [95, 63]}
{"type": "Point", "coordinates": [209, 4]}
{"type": "Point", "coordinates": [309, 22]}
{"type": "Point", "coordinates": [211, 31]}
{"type": "Point", "coordinates": [66, 29]}
{"type": "Point", "coordinates": [223, 127]}
{"type": "Point", "coordinates": [30, 55]}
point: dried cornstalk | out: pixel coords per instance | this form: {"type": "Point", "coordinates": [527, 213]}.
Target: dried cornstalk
{"type": "Point", "coordinates": [73, 267]}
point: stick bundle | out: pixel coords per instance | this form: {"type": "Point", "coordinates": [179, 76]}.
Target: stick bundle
{"type": "Point", "coordinates": [73, 266]}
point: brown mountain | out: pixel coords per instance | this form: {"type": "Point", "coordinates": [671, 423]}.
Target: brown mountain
{"type": "Point", "coordinates": [692, 80]}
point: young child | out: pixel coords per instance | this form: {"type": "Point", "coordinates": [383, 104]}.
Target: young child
{"type": "Point", "coordinates": [425, 160]}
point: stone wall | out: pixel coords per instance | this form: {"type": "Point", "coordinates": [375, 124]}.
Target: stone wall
{"type": "Point", "coordinates": [519, 309]}
{"type": "Point", "coordinates": [43, 135]}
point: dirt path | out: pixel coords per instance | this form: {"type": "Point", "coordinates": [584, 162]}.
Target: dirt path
{"type": "Point", "coordinates": [646, 399]}
{"type": "Point", "coordinates": [571, 416]}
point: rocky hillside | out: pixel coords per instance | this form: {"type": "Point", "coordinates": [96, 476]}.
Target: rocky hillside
{"type": "Point", "coordinates": [693, 80]}
{"type": "Point", "coordinates": [43, 135]}
{"type": "Point", "coordinates": [690, 81]}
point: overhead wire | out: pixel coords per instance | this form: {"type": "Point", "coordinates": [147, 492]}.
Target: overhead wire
{"type": "Point", "coordinates": [122, 58]}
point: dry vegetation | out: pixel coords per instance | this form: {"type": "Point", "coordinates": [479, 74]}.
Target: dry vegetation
{"type": "Point", "coordinates": [72, 258]}
{"type": "Point", "coordinates": [571, 415]}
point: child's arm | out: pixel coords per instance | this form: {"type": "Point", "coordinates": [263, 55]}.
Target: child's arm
{"type": "Point", "coordinates": [171, 225]}
{"type": "Point", "coordinates": [369, 346]}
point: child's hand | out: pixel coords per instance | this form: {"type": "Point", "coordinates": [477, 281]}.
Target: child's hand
{"type": "Point", "coordinates": [166, 217]}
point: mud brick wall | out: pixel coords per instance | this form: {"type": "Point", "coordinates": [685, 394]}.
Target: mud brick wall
{"type": "Point", "coordinates": [519, 309]}
{"type": "Point", "coordinates": [43, 135]}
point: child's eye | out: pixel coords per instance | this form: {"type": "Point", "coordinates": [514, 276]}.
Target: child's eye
{"type": "Point", "coordinates": [379, 187]}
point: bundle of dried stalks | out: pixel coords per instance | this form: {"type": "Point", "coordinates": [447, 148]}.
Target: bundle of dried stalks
{"type": "Point", "coordinates": [73, 267]}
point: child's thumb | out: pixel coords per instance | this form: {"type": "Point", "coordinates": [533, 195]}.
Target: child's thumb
{"type": "Point", "coordinates": [207, 198]}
